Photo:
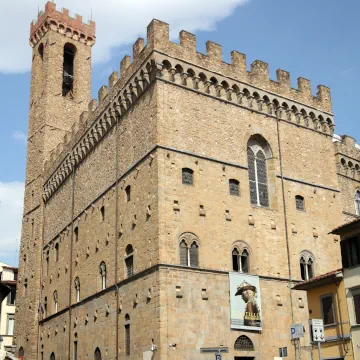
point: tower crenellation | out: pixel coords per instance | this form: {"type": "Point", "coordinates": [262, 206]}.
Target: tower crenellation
{"type": "Point", "coordinates": [63, 23]}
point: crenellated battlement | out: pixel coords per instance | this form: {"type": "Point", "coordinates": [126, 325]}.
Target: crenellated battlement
{"type": "Point", "coordinates": [63, 23]}
{"type": "Point", "coordinates": [181, 65]}
{"type": "Point", "coordinates": [347, 154]}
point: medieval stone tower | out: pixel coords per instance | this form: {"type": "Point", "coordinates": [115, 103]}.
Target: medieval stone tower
{"type": "Point", "coordinates": [187, 183]}
{"type": "Point", "coordinates": [60, 91]}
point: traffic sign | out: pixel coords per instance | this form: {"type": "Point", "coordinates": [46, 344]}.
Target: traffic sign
{"type": "Point", "coordinates": [318, 330]}
{"type": "Point", "coordinates": [217, 356]}
{"type": "Point", "coordinates": [297, 331]}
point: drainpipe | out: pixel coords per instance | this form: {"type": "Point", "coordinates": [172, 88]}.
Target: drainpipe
{"type": "Point", "coordinates": [346, 349]}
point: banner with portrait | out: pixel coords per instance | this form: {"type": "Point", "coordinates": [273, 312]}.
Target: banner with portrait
{"type": "Point", "coordinates": [245, 302]}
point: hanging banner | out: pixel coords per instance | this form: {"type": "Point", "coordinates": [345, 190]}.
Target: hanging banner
{"type": "Point", "coordinates": [245, 302]}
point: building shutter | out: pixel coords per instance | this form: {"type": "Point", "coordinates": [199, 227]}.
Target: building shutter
{"type": "Point", "coordinates": [194, 255]}
{"type": "Point", "coordinates": [252, 177]}
{"type": "Point", "coordinates": [262, 179]}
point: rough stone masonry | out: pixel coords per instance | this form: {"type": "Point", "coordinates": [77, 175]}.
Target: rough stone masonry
{"type": "Point", "coordinates": [137, 204]}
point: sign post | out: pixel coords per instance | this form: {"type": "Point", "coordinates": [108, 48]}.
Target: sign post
{"type": "Point", "coordinates": [318, 333]}
{"type": "Point", "coordinates": [218, 356]}
{"type": "Point", "coordinates": [297, 332]}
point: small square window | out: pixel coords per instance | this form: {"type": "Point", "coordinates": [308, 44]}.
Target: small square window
{"type": "Point", "coordinates": [187, 176]}
{"type": "Point", "coordinates": [234, 187]}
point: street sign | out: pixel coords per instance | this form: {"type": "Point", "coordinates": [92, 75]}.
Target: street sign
{"type": "Point", "coordinates": [217, 356]}
{"type": "Point", "coordinates": [297, 331]}
{"type": "Point", "coordinates": [318, 330]}
{"type": "Point", "coordinates": [283, 352]}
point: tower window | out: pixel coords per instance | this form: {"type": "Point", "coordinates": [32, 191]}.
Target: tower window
{"type": "Point", "coordinates": [55, 297]}
{"type": "Point", "coordinates": [76, 233]}
{"type": "Point", "coordinates": [187, 176]}
{"type": "Point", "coordinates": [68, 70]}
{"type": "Point", "coordinates": [57, 252]}
{"type": "Point", "coordinates": [77, 289]}
{"type": "Point", "coordinates": [41, 51]}
{"type": "Point", "coordinates": [357, 202]}
{"type": "Point", "coordinates": [300, 203]}
{"type": "Point", "coordinates": [128, 193]}
{"type": "Point", "coordinates": [234, 187]}
{"type": "Point", "coordinates": [102, 213]}
{"type": "Point", "coordinates": [189, 250]}
{"type": "Point", "coordinates": [102, 269]}
{"type": "Point", "coordinates": [306, 266]}
{"type": "Point", "coordinates": [129, 261]}
{"type": "Point", "coordinates": [240, 260]}
{"type": "Point", "coordinates": [127, 340]}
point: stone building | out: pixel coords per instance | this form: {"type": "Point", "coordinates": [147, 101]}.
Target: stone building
{"type": "Point", "coordinates": [139, 204]}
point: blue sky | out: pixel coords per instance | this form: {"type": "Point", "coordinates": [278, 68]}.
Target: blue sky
{"type": "Point", "coordinates": [318, 40]}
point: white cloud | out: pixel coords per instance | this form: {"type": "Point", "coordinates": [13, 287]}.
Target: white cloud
{"type": "Point", "coordinates": [11, 209]}
{"type": "Point", "coordinates": [118, 22]}
{"type": "Point", "coordinates": [19, 136]}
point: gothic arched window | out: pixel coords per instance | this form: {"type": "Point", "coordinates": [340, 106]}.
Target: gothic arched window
{"type": "Point", "coordinates": [129, 260]}
{"type": "Point", "coordinates": [357, 202]}
{"type": "Point", "coordinates": [300, 203]}
{"type": "Point", "coordinates": [306, 265]}
{"type": "Point", "coordinates": [97, 354]}
{"type": "Point", "coordinates": [189, 250]}
{"type": "Point", "coordinates": [258, 152]}
{"type": "Point", "coordinates": [243, 343]}
{"type": "Point", "coordinates": [234, 187]}
{"type": "Point", "coordinates": [102, 269]}
{"type": "Point", "coordinates": [240, 260]}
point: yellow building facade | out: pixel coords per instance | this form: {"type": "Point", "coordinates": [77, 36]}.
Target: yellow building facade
{"type": "Point", "coordinates": [327, 300]}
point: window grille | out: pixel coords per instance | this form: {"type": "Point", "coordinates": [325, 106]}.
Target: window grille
{"type": "Point", "coordinates": [127, 339]}
{"type": "Point", "coordinates": [187, 176]}
{"type": "Point", "coordinates": [97, 354]}
{"type": "Point", "coordinates": [234, 187]}
{"type": "Point", "coordinates": [300, 203]}
{"type": "Point", "coordinates": [183, 254]}
{"type": "Point", "coordinates": [243, 343]}
{"type": "Point", "coordinates": [129, 262]}
{"type": "Point", "coordinates": [194, 255]}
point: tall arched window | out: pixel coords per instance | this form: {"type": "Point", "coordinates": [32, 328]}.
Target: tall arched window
{"type": "Point", "coordinates": [97, 354]}
{"type": "Point", "coordinates": [55, 297]}
{"type": "Point", "coordinates": [258, 153]}
{"type": "Point", "coordinates": [127, 335]}
{"type": "Point", "coordinates": [52, 356]}
{"type": "Point", "coordinates": [128, 193]}
{"type": "Point", "coordinates": [189, 250]}
{"type": "Point", "coordinates": [77, 288]}
{"type": "Point", "coordinates": [68, 70]}
{"type": "Point", "coordinates": [102, 269]}
{"type": "Point", "coordinates": [306, 266]}
{"type": "Point", "coordinates": [240, 260]}
{"type": "Point", "coordinates": [357, 202]}
{"type": "Point", "coordinates": [129, 260]}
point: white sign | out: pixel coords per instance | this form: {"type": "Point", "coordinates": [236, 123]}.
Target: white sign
{"type": "Point", "coordinates": [318, 330]}
{"type": "Point", "coordinates": [297, 331]}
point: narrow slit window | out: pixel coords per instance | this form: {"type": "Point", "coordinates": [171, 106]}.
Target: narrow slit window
{"type": "Point", "coordinates": [102, 214]}
{"type": "Point", "coordinates": [76, 233]}
{"type": "Point", "coordinates": [235, 260]}
{"type": "Point", "coordinates": [129, 261]}
{"type": "Point", "coordinates": [127, 340]}
{"type": "Point", "coordinates": [128, 193]}
{"type": "Point", "coordinates": [357, 202]}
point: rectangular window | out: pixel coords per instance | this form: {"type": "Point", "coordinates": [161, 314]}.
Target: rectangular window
{"type": "Point", "coordinates": [127, 339]}
{"type": "Point", "coordinates": [350, 252]}
{"type": "Point", "coordinates": [327, 309]}
{"type": "Point", "coordinates": [357, 308]}
{"type": "Point", "coordinates": [11, 298]}
{"type": "Point", "coordinates": [10, 324]}
{"type": "Point", "coordinates": [129, 262]}
{"type": "Point", "coordinates": [75, 350]}
{"type": "Point", "coordinates": [187, 176]}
